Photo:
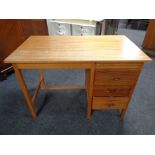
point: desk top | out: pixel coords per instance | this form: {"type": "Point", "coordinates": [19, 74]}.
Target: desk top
{"type": "Point", "coordinates": [65, 49]}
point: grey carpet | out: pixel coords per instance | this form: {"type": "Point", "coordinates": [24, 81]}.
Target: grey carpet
{"type": "Point", "coordinates": [64, 112]}
{"type": "Point", "coordinates": [137, 36]}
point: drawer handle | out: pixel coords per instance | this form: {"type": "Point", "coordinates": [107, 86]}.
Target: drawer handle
{"type": "Point", "coordinates": [116, 79]}
{"type": "Point", "coordinates": [100, 71]}
{"type": "Point", "coordinates": [107, 91]}
{"type": "Point", "coordinates": [110, 104]}
{"type": "Point", "coordinates": [111, 90]}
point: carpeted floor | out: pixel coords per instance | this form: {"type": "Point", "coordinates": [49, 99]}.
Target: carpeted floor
{"type": "Point", "coordinates": [137, 36]}
{"type": "Point", "coordinates": [64, 112]}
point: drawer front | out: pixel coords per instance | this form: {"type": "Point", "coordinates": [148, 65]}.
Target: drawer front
{"type": "Point", "coordinates": [115, 77]}
{"type": "Point", "coordinates": [111, 90]}
{"type": "Point", "coordinates": [120, 65]}
{"type": "Point", "coordinates": [109, 103]}
{"type": "Point", "coordinates": [78, 30]}
{"type": "Point", "coordinates": [59, 29]}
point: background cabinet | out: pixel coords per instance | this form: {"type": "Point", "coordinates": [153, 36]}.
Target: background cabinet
{"type": "Point", "coordinates": [74, 27]}
{"type": "Point", "coordinates": [13, 32]}
{"type": "Point", "coordinates": [149, 40]}
{"type": "Point", "coordinates": [58, 29]}
{"type": "Point", "coordinates": [10, 38]}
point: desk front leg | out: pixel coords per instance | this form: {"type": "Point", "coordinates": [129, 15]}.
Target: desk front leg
{"type": "Point", "coordinates": [25, 91]}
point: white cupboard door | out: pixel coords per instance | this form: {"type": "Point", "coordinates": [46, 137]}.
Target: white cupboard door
{"type": "Point", "coordinates": [59, 29]}
{"type": "Point", "coordinates": [78, 30]}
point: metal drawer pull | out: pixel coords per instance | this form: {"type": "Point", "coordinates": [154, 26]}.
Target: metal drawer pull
{"type": "Point", "coordinates": [111, 90]}
{"type": "Point", "coordinates": [108, 91]}
{"type": "Point", "coordinates": [102, 71]}
{"type": "Point", "coordinates": [116, 79]}
{"type": "Point", "coordinates": [110, 104]}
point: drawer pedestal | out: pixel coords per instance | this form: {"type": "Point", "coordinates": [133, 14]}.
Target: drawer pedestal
{"type": "Point", "coordinates": [114, 84]}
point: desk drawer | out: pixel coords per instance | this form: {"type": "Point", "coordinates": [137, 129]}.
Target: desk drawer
{"type": "Point", "coordinates": [115, 77]}
{"type": "Point", "coordinates": [79, 30]}
{"type": "Point", "coordinates": [109, 103]}
{"type": "Point", "coordinates": [100, 90]}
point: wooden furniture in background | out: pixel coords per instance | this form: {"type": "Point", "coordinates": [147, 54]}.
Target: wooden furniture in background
{"type": "Point", "coordinates": [10, 39]}
{"type": "Point", "coordinates": [149, 39]}
{"type": "Point", "coordinates": [111, 26]}
{"type": "Point", "coordinates": [137, 24]}
{"type": "Point", "coordinates": [33, 27]}
{"type": "Point", "coordinates": [112, 64]}
{"type": "Point", "coordinates": [13, 32]}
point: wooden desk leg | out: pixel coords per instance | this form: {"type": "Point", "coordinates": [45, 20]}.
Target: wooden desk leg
{"type": "Point", "coordinates": [87, 79]}
{"type": "Point", "coordinates": [123, 111]}
{"type": "Point", "coordinates": [43, 85]}
{"type": "Point", "coordinates": [90, 91]}
{"type": "Point", "coordinates": [25, 91]}
{"type": "Point", "coordinates": [122, 114]}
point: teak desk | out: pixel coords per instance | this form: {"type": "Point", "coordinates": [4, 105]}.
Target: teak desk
{"type": "Point", "coordinates": [112, 65]}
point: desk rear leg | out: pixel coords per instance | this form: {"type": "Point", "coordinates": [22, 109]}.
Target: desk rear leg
{"type": "Point", "coordinates": [43, 84]}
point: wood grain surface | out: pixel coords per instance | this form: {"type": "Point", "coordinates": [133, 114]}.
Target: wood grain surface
{"type": "Point", "coordinates": [53, 49]}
